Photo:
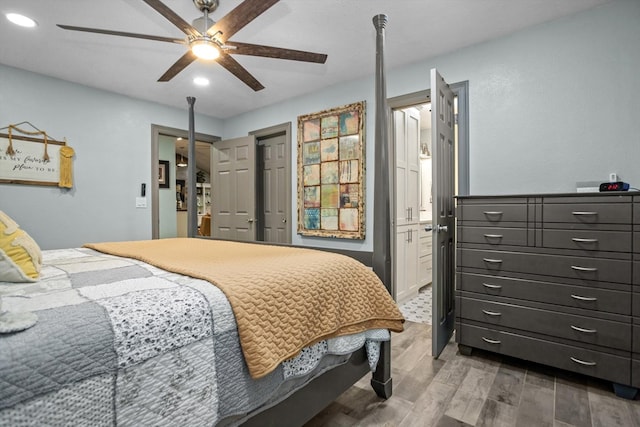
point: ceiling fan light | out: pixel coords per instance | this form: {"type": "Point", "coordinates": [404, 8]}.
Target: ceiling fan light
{"type": "Point", "coordinates": [21, 20]}
{"type": "Point", "coordinates": [205, 49]}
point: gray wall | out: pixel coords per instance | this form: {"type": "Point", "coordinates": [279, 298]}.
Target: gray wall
{"type": "Point", "coordinates": [167, 196]}
{"type": "Point", "coordinates": [111, 135]}
{"type": "Point", "coordinates": [549, 106]}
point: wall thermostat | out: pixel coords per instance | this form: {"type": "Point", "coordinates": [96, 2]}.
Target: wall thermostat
{"type": "Point", "coordinates": [614, 186]}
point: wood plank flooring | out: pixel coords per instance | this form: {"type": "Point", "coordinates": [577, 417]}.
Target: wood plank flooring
{"type": "Point", "coordinates": [484, 389]}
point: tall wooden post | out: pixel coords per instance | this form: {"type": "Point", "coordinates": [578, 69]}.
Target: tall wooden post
{"type": "Point", "coordinates": [192, 204]}
{"type": "Point", "coordinates": [381, 381]}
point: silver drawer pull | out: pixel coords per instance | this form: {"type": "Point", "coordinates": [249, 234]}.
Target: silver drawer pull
{"type": "Point", "coordinates": [583, 362]}
{"type": "Point", "coordinates": [584, 213]}
{"type": "Point", "coordinates": [581, 298]}
{"type": "Point", "coordinates": [492, 261]}
{"type": "Point", "coordinates": [579, 240]}
{"type": "Point", "coordinates": [490, 286]}
{"type": "Point", "coordinates": [490, 341]}
{"type": "Point", "coordinates": [491, 313]}
{"type": "Point", "coordinates": [586, 331]}
{"type": "Point", "coordinates": [578, 268]}
{"type": "Point", "coordinates": [493, 236]}
{"type": "Point", "coordinates": [492, 212]}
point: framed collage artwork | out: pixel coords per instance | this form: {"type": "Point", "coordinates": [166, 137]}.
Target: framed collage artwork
{"type": "Point", "coordinates": [331, 172]}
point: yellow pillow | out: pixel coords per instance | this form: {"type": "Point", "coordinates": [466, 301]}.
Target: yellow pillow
{"type": "Point", "coordinates": [20, 256]}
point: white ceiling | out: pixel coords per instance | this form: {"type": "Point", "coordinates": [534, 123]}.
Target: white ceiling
{"type": "Point", "coordinates": [343, 29]}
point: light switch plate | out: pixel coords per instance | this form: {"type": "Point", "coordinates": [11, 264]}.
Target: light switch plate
{"type": "Point", "coordinates": [141, 202]}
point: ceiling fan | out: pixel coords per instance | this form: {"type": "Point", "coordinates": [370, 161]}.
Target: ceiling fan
{"type": "Point", "coordinates": [209, 40]}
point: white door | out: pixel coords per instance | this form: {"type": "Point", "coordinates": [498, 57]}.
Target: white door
{"type": "Point", "coordinates": [443, 221]}
{"type": "Point", "coordinates": [233, 191]}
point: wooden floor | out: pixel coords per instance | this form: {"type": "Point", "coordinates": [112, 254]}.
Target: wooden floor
{"type": "Point", "coordinates": [481, 390]}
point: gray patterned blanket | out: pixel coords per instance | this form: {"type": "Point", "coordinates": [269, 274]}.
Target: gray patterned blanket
{"type": "Point", "coordinates": [120, 342]}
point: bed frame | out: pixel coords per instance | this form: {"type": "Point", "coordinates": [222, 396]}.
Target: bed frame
{"type": "Point", "coordinates": [305, 403]}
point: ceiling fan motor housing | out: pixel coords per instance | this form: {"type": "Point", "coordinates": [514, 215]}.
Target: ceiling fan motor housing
{"type": "Point", "coordinates": [208, 5]}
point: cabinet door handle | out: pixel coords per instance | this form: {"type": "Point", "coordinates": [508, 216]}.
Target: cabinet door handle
{"type": "Point", "coordinates": [579, 213]}
{"type": "Point", "coordinates": [491, 313]}
{"type": "Point", "coordinates": [493, 236]}
{"type": "Point", "coordinates": [492, 261]}
{"type": "Point", "coordinates": [581, 298]}
{"type": "Point", "coordinates": [490, 286]}
{"type": "Point", "coordinates": [586, 331]}
{"type": "Point", "coordinates": [495, 213]}
{"type": "Point", "coordinates": [579, 240]}
{"type": "Point", "coordinates": [589, 269]}
{"type": "Point", "coordinates": [490, 341]}
{"type": "Point", "coordinates": [583, 362]}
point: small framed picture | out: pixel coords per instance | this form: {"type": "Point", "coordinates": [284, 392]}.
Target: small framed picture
{"type": "Point", "coordinates": [163, 174]}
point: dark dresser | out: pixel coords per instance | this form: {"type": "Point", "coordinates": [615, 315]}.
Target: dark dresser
{"type": "Point", "coordinates": [554, 279]}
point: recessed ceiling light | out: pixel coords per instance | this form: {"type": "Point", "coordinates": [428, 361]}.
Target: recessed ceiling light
{"type": "Point", "coordinates": [21, 20]}
{"type": "Point", "coordinates": [201, 81]}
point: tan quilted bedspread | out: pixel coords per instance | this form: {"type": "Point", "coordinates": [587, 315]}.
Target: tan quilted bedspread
{"type": "Point", "coordinates": [283, 298]}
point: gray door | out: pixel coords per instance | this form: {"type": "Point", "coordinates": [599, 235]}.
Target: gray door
{"type": "Point", "coordinates": [443, 222]}
{"type": "Point", "coordinates": [275, 199]}
{"type": "Point", "coordinates": [233, 189]}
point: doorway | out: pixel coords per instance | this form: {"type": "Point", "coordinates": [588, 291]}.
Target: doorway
{"type": "Point", "coordinates": [413, 191]}
{"type": "Point", "coordinates": [164, 200]}
{"type": "Point", "coordinates": [273, 181]}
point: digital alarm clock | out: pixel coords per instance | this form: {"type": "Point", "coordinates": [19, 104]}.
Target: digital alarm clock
{"type": "Point", "coordinates": [614, 186]}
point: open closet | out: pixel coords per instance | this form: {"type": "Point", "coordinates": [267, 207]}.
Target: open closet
{"type": "Point", "coordinates": [412, 199]}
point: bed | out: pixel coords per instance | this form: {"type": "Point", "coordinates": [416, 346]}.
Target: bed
{"type": "Point", "coordinates": [192, 331]}
{"type": "Point", "coordinates": [121, 341]}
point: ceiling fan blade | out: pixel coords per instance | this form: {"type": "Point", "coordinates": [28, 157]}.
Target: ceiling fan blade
{"type": "Point", "coordinates": [183, 25]}
{"type": "Point", "coordinates": [122, 34]}
{"type": "Point", "coordinates": [235, 20]}
{"type": "Point", "coordinates": [179, 65]}
{"type": "Point", "coordinates": [275, 52]}
{"type": "Point", "coordinates": [239, 71]}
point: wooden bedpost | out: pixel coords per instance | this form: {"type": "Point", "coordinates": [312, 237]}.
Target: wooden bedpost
{"type": "Point", "coordinates": [381, 381]}
{"type": "Point", "coordinates": [192, 217]}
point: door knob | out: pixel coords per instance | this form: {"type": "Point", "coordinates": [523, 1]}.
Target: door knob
{"type": "Point", "coordinates": [284, 220]}
{"type": "Point", "coordinates": [250, 220]}
{"type": "Point", "coordinates": [439, 228]}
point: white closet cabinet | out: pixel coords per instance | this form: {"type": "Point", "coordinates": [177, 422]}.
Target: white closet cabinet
{"type": "Point", "coordinates": [407, 265]}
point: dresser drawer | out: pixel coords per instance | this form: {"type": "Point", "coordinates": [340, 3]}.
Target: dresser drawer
{"type": "Point", "coordinates": [636, 239]}
{"type": "Point", "coordinates": [635, 306]}
{"type": "Point", "coordinates": [594, 363]}
{"type": "Point", "coordinates": [589, 240]}
{"type": "Point", "coordinates": [595, 299]}
{"type": "Point", "coordinates": [581, 268]}
{"type": "Point", "coordinates": [494, 236]}
{"type": "Point", "coordinates": [493, 213]}
{"type": "Point", "coordinates": [636, 338]}
{"type": "Point", "coordinates": [587, 213]}
{"type": "Point", "coordinates": [635, 369]}
{"type": "Point", "coordinates": [590, 330]}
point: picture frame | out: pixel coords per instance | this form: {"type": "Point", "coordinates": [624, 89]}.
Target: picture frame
{"type": "Point", "coordinates": [331, 173]}
{"type": "Point", "coordinates": [163, 174]}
